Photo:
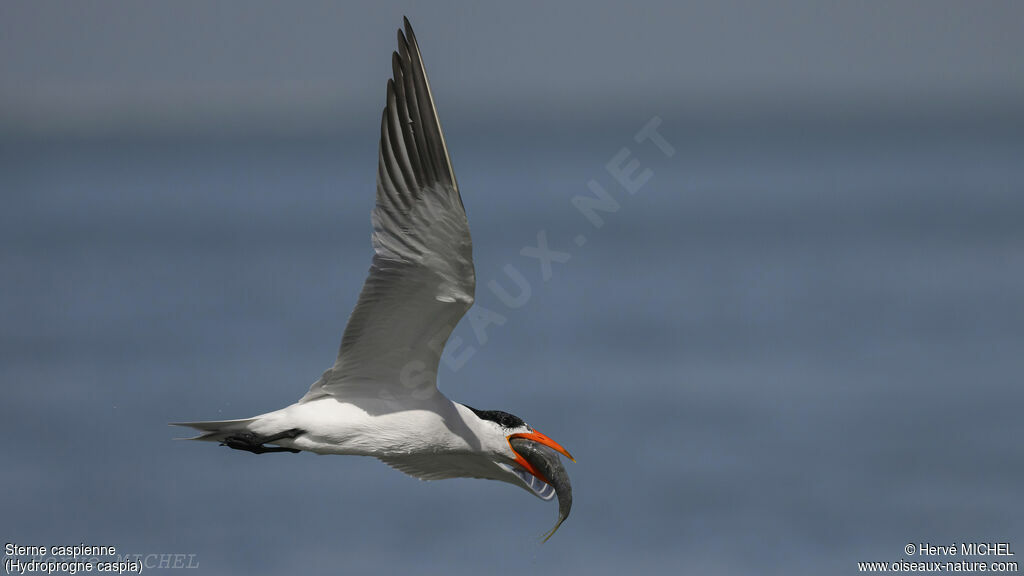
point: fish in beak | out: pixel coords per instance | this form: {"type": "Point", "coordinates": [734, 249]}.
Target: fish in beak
{"type": "Point", "coordinates": [538, 455]}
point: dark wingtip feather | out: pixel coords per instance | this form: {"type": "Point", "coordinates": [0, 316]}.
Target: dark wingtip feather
{"type": "Point", "coordinates": [413, 152]}
{"type": "Point", "coordinates": [396, 67]}
{"type": "Point", "coordinates": [403, 46]}
{"type": "Point", "coordinates": [402, 43]}
{"type": "Point", "coordinates": [408, 32]}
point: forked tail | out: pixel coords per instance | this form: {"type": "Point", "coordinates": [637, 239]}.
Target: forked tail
{"type": "Point", "coordinates": [216, 430]}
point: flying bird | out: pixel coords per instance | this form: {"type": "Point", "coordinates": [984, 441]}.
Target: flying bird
{"type": "Point", "coordinates": [380, 397]}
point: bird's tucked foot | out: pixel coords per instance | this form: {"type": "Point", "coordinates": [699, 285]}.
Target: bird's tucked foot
{"type": "Point", "coordinates": [254, 443]}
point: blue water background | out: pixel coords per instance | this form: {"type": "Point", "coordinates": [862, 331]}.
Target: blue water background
{"type": "Point", "coordinates": [799, 345]}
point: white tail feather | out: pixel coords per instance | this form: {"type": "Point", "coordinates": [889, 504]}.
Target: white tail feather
{"type": "Point", "coordinates": [216, 430]}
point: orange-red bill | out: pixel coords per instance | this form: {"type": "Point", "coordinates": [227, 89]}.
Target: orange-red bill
{"type": "Point", "coordinates": [540, 439]}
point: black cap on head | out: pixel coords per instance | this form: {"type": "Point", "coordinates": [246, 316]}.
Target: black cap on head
{"type": "Point", "coordinates": [503, 419]}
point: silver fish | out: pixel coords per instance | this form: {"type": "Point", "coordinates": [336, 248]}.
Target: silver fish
{"type": "Point", "coordinates": [547, 462]}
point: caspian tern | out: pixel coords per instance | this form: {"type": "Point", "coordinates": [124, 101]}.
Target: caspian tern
{"type": "Point", "coordinates": [380, 398]}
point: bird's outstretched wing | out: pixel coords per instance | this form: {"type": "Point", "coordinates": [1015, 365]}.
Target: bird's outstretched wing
{"type": "Point", "coordinates": [421, 281]}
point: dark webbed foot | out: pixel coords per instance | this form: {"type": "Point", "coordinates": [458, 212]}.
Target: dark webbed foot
{"type": "Point", "coordinates": [255, 443]}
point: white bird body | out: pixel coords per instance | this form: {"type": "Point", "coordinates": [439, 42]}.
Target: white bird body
{"type": "Point", "coordinates": [376, 427]}
{"type": "Point", "coordinates": [380, 397]}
